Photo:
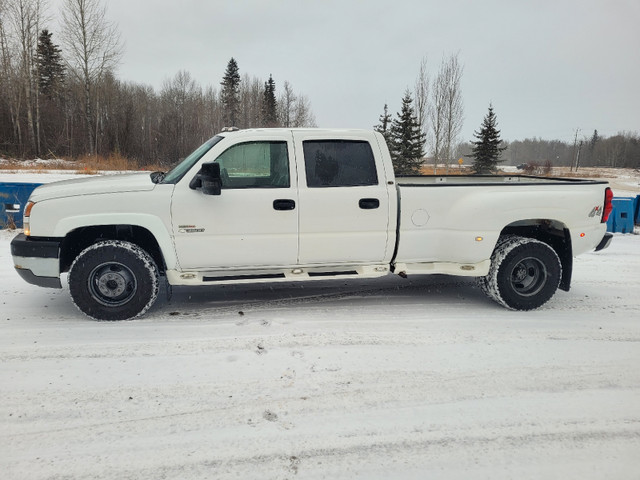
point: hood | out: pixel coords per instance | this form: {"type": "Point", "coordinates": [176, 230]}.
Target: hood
{"type": "Point", "coordinates": [132, 182]}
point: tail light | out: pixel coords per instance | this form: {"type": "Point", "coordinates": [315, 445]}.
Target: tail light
{"type": "Point", "coordinates": [608, 204]}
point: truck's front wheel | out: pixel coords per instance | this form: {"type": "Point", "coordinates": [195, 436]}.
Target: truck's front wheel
{"type": "Point", "coordinates": [524, 274]}
{"type": "Point", "coordinates": [113, 280]}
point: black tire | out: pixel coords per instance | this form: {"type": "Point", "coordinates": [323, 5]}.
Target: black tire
{"type": "Point", "coordinates": [524, 274]}
{"type": "Point", "coordinates": [113, 280]}
{"type": "Point", "coordinates": [483, 282]}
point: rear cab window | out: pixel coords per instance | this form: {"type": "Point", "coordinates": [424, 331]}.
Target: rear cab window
{"type": "Point", "coordinates": [339, 163]}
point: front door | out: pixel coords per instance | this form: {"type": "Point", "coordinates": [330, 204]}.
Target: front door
{"type": "Point", "coordinates": [253, 223]}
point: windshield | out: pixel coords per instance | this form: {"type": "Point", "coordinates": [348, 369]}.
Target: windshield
{"type": "Point", "coordinates": [177, 172]}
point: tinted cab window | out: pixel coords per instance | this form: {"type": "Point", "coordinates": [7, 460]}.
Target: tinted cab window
{"type": "Point", "coordinates": [339, 163]}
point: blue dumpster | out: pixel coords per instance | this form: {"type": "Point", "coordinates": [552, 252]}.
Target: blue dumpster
{"type": "Point", "coordinates": [13, 198]}
{"type": "Point", "coordinates": [635, 215]}
{"type": "Point", "coordinates": [621, 219]}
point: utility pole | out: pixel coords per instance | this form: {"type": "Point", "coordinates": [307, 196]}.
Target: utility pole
{"type": "Point", "coordinates": [578, 155]}
{"type": "Point", "coordinates": [575, 143]}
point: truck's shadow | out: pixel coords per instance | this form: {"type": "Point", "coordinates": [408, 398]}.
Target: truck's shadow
{"type": "Point", "coordinates": [423, 289]}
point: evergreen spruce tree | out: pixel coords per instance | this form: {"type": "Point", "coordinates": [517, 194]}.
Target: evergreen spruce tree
{"type": "Point", "coordinates": [487, 149]}
{"type": "Point", "coordinates": [384, 127]}
{"type": "Point", "coordinates": [407, 140]}
{"type": "Point", "coordinates": [50, 67]}
{"type": "Point", "coordinates": [269, 105]}
{"type": "Point", "coordinates": [595, 138]}
{"type": "Point", "coordinates": [230, 94]}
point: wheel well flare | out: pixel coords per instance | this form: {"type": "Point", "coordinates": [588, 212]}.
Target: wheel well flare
{"type": "Point", "coordinates": [553, 233]}
{"type": "Point", "coordinates": [77, 240]}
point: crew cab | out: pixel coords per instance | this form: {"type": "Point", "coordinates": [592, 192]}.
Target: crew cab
{"type": "Point", "coordinates": [274, 205]}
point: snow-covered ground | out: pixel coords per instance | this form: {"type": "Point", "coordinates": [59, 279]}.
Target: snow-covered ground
{"type": "Point", "coordinates": [48, 176]}
{"type": "Point", "coordinates": [372, 379]}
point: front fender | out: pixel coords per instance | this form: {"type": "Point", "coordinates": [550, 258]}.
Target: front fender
{"type": "Point", "coordinates": [149, 222]}
{"type": "Point", "coordinates": [58, 217]}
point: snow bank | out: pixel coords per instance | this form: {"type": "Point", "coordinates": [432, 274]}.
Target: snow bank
{"type": "Point", "coordinates": [47, 176]}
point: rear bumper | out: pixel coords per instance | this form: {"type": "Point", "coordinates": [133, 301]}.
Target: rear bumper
{"type": "Point", "coordinates": [604, 243]}
{"type": "Point", "coordinates": [37, 261]}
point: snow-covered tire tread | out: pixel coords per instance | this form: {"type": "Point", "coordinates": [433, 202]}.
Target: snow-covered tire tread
{"type": "Point", "coordinates": [483, 282]}
{"type": "Point", "coordinates": [150, 284]}
{"type": "Point", "coordinates": [506, 245]}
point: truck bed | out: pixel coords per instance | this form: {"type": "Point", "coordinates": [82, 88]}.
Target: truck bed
{"type": "Point", "coordinates": [467, 180]}
{"type": "Point", "coordinates": [462, 224]}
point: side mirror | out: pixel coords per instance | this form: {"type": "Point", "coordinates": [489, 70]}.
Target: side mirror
{"type": "Point", "coordinates": [208, 179]}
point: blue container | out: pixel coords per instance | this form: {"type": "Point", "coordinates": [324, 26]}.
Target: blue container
{"type": "Point", "coordinates": [622, 216]}
{"type": "Point", "coordinates": [636, 206]}
{"type": "Point", "coordinates": [610, 226]}
{"type": "Point", "coordinates": [13, 198]}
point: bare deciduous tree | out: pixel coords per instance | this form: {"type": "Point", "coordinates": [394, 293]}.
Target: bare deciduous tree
{"type": "Point", "coordinates": [250, 102]}
{"type": "Point", "coordinates": [454, 107]}
{"type": "Point", "coordinates": [294, 110]}
{"type": "Point", "coordinates": [286, 102]}
{"type": "Point", "coordinates": [212, 115]}
{"type": "Point", "coordinates": [446, 112]}
{"type": "Point", "coordinates": [10, 92]}
{"type": "Point", "coordinates": [302, 114]}
{"type": "Point", "coordinates": [181, 105]}
{"type": "Point", "coordinates": [436, 111]}
{"type": "Point", "coordinates": [24, 18]}
{"type": "Point", "coordinates": [421, 95]}
{"type": "Point", "coordinates": [93, 48]}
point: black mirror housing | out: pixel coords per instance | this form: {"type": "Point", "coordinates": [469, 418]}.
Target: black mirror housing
{"type": "Point", "coordinates": [208, 179]}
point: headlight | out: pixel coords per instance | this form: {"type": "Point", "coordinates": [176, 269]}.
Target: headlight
{"type": "Point", "coordinates": [25, 219]}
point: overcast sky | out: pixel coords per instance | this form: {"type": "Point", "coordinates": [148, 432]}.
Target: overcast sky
{"type": "Point", "coordinates": [548, 66]}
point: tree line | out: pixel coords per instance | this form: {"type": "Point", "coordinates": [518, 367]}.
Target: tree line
{"type": "Point", "coordinates": [427, 131]}
{"type": "Point", "coordinates": [617, 151]}
{"type": "Point", "coordinates": [621, 150]}
{"type": "Point", "coordinates": [60, 96]}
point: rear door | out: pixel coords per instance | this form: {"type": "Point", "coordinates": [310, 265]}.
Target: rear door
{"type": "Point", "coordinates": [344, 201]}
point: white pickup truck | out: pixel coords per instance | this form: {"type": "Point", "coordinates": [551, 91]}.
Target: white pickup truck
{"type": "Point", "coordinates": [299, 205]}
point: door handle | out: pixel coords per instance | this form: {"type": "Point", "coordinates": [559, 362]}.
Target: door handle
{"type": "Point", "coordinates": [369, 203]}
{"type": "Point", "coordinates": [284, 204]}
